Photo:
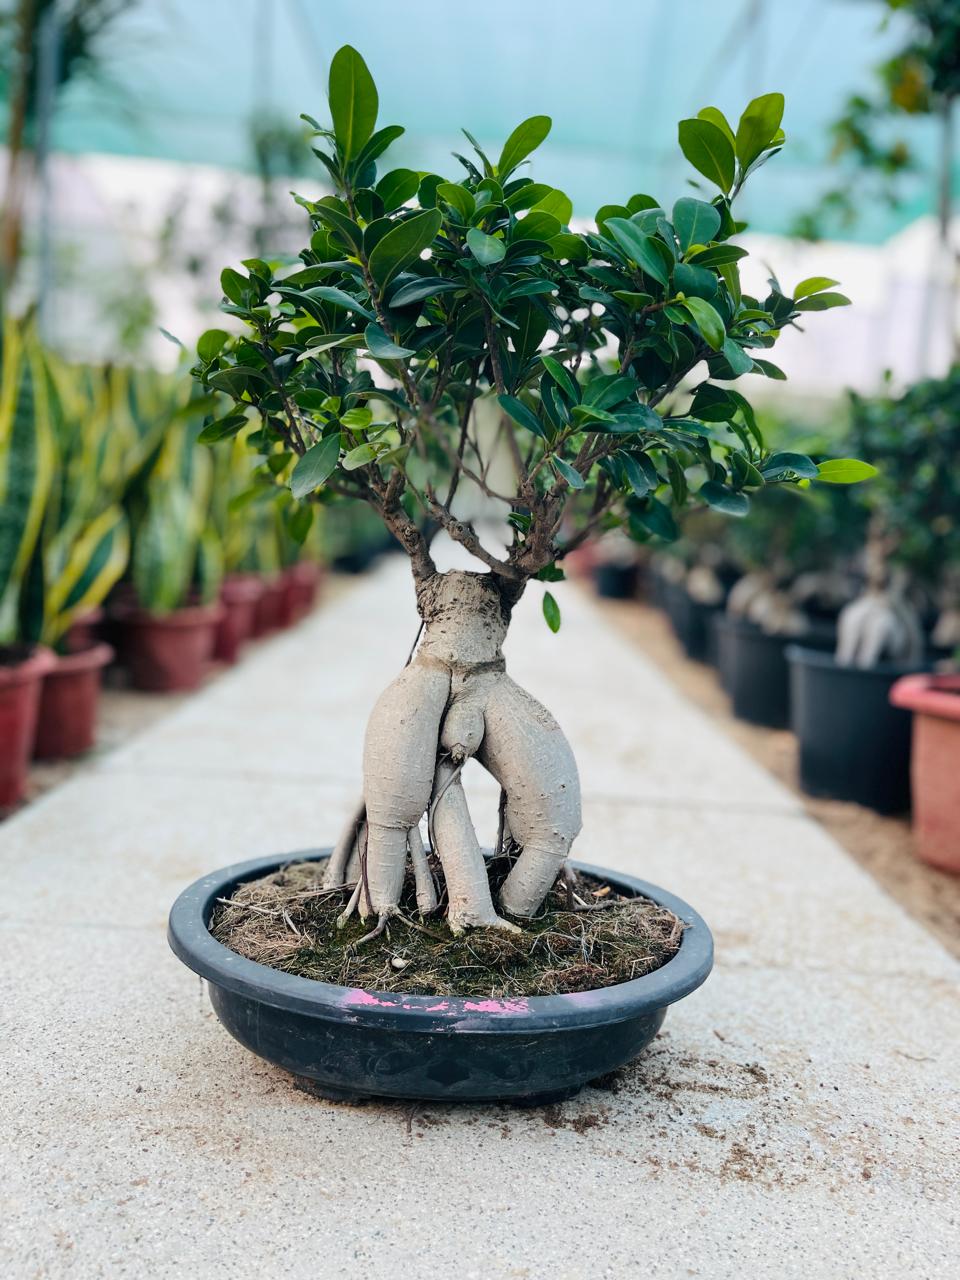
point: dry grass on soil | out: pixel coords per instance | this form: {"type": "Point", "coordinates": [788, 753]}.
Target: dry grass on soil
{"type": "Point", "coordinates": [287, 920]}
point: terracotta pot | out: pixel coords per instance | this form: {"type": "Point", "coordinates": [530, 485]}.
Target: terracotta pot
{"type": "Point", "coordinates": [270, 607]}
{"type": "Point", "coordinates": [68, 703]}
{"type": "Point", "coordinates": [302, 586]}
{"type": "Point", "coordinates": [167, 653]}
{"type": "Point", "coordinates": [19, 702]}
{"type": "Point", "coordinates": [934, 765]}
{"type": "Point", "coordinates": [84, 633]}
{"type": "Point", "coordinates": [239, 596]}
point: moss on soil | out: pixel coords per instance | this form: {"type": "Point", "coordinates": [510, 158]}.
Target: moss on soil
{"type": "Point", "coordinates": [287, 920]}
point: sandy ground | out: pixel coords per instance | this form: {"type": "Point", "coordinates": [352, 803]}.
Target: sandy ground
{"type": "Point", "coordinates": [882, 846]}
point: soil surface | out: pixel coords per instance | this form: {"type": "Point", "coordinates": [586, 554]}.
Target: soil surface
{"type": "Point", "coordinates": [883, 846]}
{"type": "Point", "coordinates": [587, 936]}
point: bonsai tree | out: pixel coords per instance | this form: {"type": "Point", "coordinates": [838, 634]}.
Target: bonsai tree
{"type": "Point", "coordinates": [440, 334]}
{"type": "Point", "coordinates": [913, 542]}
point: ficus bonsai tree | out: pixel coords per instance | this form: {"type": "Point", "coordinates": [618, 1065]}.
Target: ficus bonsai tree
{"type": "Point", "coordinates": [441, 334]}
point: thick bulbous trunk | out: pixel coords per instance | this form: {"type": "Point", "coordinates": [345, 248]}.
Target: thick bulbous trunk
{"type": "Point", "coordinates": [453, 702]}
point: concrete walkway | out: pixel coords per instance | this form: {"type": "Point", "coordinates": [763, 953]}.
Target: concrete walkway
{"type": "Point", "coordinates": [798, 1116]}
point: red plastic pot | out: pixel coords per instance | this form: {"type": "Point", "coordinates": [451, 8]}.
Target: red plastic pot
{"type": "Point", "coordinates": [934, 765]}
{"type": "Point", "coordinates": [269, 610]}
{"type": "Point", "coordinates": [84, 633]}
{"type": "Point", "coordinates": [69, 695]}
{"type": "Point", "coordinates": [167, 653]}
{"type": "Point", "coordinates": [239, 596]}
{"type": "Point", "coordinates": [19, 702]}
{"type": "Point", "coordinates": [302, 585]}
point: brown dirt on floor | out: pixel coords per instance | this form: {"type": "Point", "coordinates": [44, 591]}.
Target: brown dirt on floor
{"type": "Point", "coordinates": [287, 920]}
{"type": "Point", "coordinates": [882, 846]}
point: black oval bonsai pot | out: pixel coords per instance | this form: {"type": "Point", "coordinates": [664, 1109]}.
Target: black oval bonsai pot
{"type": "Point", "coordinates": [356, 1044]}
{"type": "Point", "coordinates": [753, 668]}
{"type": "Point", "coordinates": [853, 744]}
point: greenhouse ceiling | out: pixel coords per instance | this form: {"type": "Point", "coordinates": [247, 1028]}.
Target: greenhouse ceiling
{"type": "Point", "coordinates": [183, 81]}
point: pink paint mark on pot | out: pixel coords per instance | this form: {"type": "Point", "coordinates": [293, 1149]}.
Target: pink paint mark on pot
{"type": "Point", "coordinates": [497, 1006]}
{"type": "Point", "coordinates": [356, 996]}
{"type": "Point", "coordinates": [442, 1007]}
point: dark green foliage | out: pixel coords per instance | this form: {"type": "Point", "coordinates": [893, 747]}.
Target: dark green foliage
{"type": "Point", "coordinates": [469, 288]}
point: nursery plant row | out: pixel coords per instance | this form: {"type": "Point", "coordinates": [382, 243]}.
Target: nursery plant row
{"type": "Point", "coordinates": [123, 541]}
{"type": "Point", "coordinates": [837, 614]}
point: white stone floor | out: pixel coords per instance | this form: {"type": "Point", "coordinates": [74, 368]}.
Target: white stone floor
{"type": "Point", "coordinates": [797, 1117]}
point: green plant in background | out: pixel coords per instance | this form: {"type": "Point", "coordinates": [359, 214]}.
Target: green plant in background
{"type": "Point", "coordinates": [922, 79]}
{"type": "Point", "coordinates": [27, 459]}
{"type": "Point", "coordinates": [603, 355]}
{"type": "Point", "coordinates": [177, 557]}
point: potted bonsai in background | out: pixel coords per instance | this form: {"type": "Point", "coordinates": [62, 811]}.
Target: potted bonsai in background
{"type": "Point", "coordinates": [594, 355]}
{"type": "Point", "coordinates": [793, 554]}
{"type": "Point", "coordinates": [855, 745]}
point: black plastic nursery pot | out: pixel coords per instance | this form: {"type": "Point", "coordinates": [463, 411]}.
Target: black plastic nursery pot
{"type": "Point", "coordinates": [853, 744]}
{"type": "Point", "coordinates": [692, 622]}
{"type": "Point", "coordinates": [355, 1044]}
{"type": "Point", "coordinates": [754, 671]}
{"type": "Point", "coordinates": [615, 581]}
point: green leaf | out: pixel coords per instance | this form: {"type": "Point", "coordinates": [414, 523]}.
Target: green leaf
{"type": "Point", "coordinates": [845, 471]}
{"type": "Point", "coordinates": [781, 464]}
{"type": "Point", "coordinates": [221, 428]}
{"type": "Point", "coordinates": [556, 203]}
{"type": "Point", "coordinates": [521, 415]}
{"type": "Point", "coordinates": [381, 346]}
{"type": "Point", "coordinates": [707, 320]}
{"type": "Point", "coordinates": [715, 116]}
{"type": "Point", "coordinates": [822, 302]}
{"type": "Point", "coordinates": [524, 139]}
{"type": "Point", "coordinates": [329, 293]}
{"type": "Point", "coordinates": [397, 187]}
{"type": "Point", "coordinates": [573, 477]}
{"type": "Point", "coordinates": [403, 245]}
{"type": "Point", "coordinates": [359, 457]}
{"type": "Point", "coordinates": [813, 284]}
{"type": "Point", "coordinates": [758, 126]}
{"type": "Point", "coordinates": [357, 419]}
{"type": "Point", "coordinates": [637, 475]}
{"type": "Point", "coordinates": [234, 286]}
{"type": "Point", "coordinates": [695, 222]}
{"type": "Point", "coordinates": [353, 100]}
{"type": "Point", "coordinates": [211, 343]}
{"type": "Point", "coordinates": [562, 378]}
{"type": "Point", "coordinates": [657, 518]}
{"type": "Point", "coordinates": [736, 357]}
{"type": "Point", "coordinates": [639, 248]}
{"type": "Point", "coordinates": [551, 612]}
{"type": "Point", "coordinates": [316, 465]}
{"type": "Point", "coordinates": [721, 498]}
{"type": "Point", "coordinates": [486, 249]}
{"type": "Point", "coordinates": [709, 151]}
{"type": "Point", "coordinates": [418, 290]}
{"type": "Point", "coordinates": [459, 197]}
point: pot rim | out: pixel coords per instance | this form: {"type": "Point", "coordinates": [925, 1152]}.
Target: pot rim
{"type": "Point", "coordinates": [39, 662]}
{"type": "Point", "coordinates": [191, 941]}
{"type": "Point", "coordinates": [94, 656]}
{"type": "Point", "coordinates": [928, 694]}
{"type": "Point", "coordinates": [805, 656]}
{"type": "Point", "coordinates": [241, 588]}
{"type": "Point", "coordinates": [191, 615]}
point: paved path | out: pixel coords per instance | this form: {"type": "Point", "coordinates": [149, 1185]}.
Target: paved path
{"type": "Point", "coordinates": [797, 1117]}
